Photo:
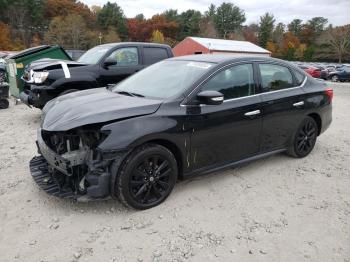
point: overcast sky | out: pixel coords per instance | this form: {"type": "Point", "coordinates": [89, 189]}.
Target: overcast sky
{"type": "Point", "coordinates": [337, 11]}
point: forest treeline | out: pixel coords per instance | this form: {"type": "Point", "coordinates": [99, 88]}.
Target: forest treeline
{"type": "Point", "coordinates": [72, 24]}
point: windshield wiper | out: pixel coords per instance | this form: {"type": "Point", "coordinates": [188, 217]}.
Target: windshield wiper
{"type": "Point", "coordinates": [129, 94]}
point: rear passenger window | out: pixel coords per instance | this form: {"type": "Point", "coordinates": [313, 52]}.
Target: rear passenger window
{"type": "Point", "coordinates": [234, 82]}
{"type": "Point", "coordinates": [275, 77]}
{"type": "Point", "coordinates": [299, 77]}
{"type": "Point", "coordinates": [154, 54]}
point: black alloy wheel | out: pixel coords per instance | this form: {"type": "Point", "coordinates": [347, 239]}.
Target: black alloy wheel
{"type": "Point", "coordinates": [147, 177]}
{"type": "Point", "coordinates": [305, 138]}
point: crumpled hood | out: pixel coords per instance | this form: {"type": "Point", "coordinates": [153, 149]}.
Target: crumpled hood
{"type": "Point", "coordinates": [48, 63]}
{"type": "Point", "coordinates": [93, 106]}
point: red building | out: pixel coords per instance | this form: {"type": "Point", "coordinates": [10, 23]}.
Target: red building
{"type": "Point", "coordinates": [198, 45]}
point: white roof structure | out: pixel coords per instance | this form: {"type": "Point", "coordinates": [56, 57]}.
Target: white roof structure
{"type": "Point", "coordinates": [229, 45]}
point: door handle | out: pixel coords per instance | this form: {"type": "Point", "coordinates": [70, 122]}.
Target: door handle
{"type": "Point", "coordinates": [252, 113]}
{"type": "Point", "coordinates": [301, 103]}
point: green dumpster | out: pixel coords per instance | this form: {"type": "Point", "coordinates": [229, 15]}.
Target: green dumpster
{"type": "Point", "coordinates": [16, 63]}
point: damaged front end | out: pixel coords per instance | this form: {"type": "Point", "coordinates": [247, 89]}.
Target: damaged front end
{"type": "Point", "coordinates": [70, 164]}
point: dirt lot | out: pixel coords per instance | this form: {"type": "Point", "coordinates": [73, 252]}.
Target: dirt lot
{"type": "Point", "coordinates": [275, 209]}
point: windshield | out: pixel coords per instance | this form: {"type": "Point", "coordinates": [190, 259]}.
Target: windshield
{"type": "Point", "coordinates": [94, 55]}
{"type": "Point", "coordinates": [164, 79]}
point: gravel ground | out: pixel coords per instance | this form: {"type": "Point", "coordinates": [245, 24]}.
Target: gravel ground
{"type": "Point", "coordinates": [275, 209]}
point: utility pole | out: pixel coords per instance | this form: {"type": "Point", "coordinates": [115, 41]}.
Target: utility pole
{"type": "Point", "coordinates": [100, 37]}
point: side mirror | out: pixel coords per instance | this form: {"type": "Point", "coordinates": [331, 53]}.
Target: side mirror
{"type": "Point", "coordinates": [109, 62]}
{"type": "Point", "coordinates": [210, 98]}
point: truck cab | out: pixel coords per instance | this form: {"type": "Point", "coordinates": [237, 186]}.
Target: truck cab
{"type": "Point", "coordinates": [100, 66]}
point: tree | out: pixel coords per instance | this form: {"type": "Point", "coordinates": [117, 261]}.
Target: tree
{"type": "Point", "coordinates": [111, 14]}
{"type": "Point", "coordinates": [69, 31]}
{"type": "Point", "coordinates": [250, 33]}
{"type": "Point", "coordinates": [55, 34]}
{"type": "Point", "coordinates": [290, 44]}
{"type": "Point", "coordinates": [307, 34]}
{"type": "Point", "coordinates": [140, 17]}
{"type": "Point", "coordinates": [54, 8]}
{"type": "Point", "coordinates": [111, 36]}
{"type": "Point", "coordinates": [134, 28]}
{"type": "Point", "coordinates": [157, 37]}
{"type": "Point", "coordinates": [273, 48]}
{"type": "Point", "coordinates": [142, 30]}
{"type": "Point", "coordinates": [277, 35]}
{"type": "Point", "coordinates": [189, 23]}
{"type": "Point", "coordinates": [158, 22]}
{"type": "Point", "coordinates": [24, 18]}
{"type": "Point", "coordinates": [339, 40]}
{"type": "Point", "coordinates": [36, 40]}
{"type": "Point", "coordinates": [5, 41]}
{"type": "Point", "coordinates": [228, 18]}
{"type": "Point", "coordinates": [266, 26]}
{"type": "Point", "coordinates": [171, 15]}
{"type": "Point", "coordinates": [318, 24]}
{"type": "Point", "coordinates": [211, 11]}
{"type": "Point", "coordinates": [75, 31]}
{"type": "Point", "coordinates": [96, 9]}
{"type": "Point", "coordinates": [295, 27]}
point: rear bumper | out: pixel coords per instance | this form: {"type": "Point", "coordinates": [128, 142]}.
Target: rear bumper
{"type": "Point", "coordinates": [326, 117]}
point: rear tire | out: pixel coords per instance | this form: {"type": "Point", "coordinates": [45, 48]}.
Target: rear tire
{"type": "Point", "coordinates": [304, 138]}
{"type": "Point", "coordinates": [335, 78]}
{"type": "Point", "coordinates": [146, 177]}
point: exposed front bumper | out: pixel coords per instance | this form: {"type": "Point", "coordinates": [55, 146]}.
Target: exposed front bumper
{"type": "Point", "coordinates": [55, 174]}
{"type": "Point", "coordinates": [61, 163]}
{"type": "Point", "coordinates": [39, 170]}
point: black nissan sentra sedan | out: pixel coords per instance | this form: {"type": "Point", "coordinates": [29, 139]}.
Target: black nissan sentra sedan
{"type": "Point", "coordinates": [180, 117]}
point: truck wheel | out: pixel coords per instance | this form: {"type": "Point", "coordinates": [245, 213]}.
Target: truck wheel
{"type": "Point", "coordinates": [304, 139]}
{"type": "Point", "coordinates": [4, 103]}
{"type": "Point", "coordinates": [146, 177]}
{"type": "Point", "coordinates": [68, 91]}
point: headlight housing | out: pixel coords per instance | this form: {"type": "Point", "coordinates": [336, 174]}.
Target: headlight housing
{"type": "Point", "coordinates": [40, 77]}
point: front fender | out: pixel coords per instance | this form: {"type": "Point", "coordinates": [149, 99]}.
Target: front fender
{"type": "Point", "coordinates": [130, 133]}
{"type": "Point", "coordinates": [78, 82]}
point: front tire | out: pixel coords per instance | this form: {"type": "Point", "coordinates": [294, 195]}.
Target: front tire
{"type": "Point", "coordinates": [304, 139]}
{"type": "Point", "coordinates": [146, 177]}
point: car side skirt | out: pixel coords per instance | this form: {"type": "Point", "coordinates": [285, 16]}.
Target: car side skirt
{"type": "Point", "coordinates": [211, 169]}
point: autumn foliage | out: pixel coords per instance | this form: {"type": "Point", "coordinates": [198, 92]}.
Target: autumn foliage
{"type": "Point", "coordinates": [73, 24]}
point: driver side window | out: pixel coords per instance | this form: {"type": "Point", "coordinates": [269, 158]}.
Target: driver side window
{"type": "Point", "coordinates": [126, 56]}
{"type": "Point", "coordinates": [233, 82]}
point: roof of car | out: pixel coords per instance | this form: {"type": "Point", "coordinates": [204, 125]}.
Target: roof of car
{"type": "Point", "coordinates": [133, 43]}
{"type": "Point", "coordinates": [218, 59]}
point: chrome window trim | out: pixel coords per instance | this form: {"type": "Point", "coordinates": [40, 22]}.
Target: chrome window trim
{"type": "Point", "coordinates": [243, 97]}
{"type": "Point", "coordinates": [209, 76]}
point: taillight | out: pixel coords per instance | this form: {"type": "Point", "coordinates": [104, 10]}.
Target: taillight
{"type": "Point", "coordinates": [329, 93]}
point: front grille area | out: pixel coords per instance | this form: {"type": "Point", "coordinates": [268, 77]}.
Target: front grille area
{"type": "Point", "coordinates": [70, 165]}
{"type": "Point", "coordinates": [61, 142]}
